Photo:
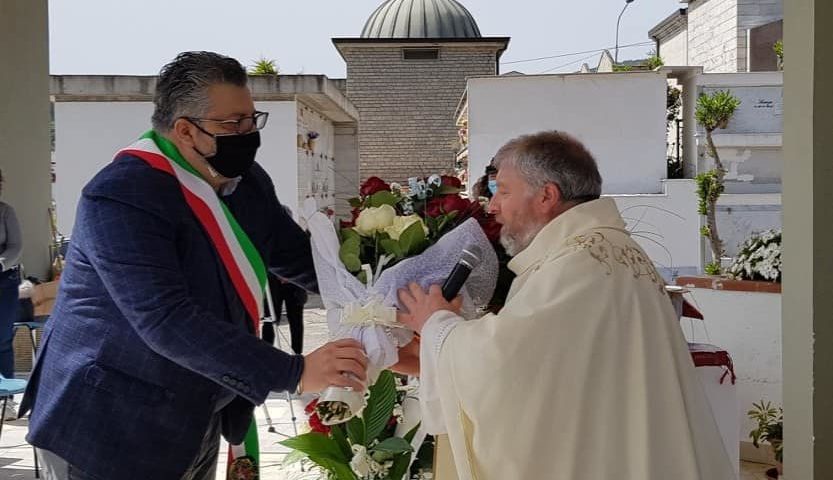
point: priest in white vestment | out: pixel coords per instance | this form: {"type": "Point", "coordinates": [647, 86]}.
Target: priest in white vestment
{"type": "Point", "coordinates": [584, 374]}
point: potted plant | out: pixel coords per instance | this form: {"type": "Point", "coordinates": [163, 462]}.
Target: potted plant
{"type": "Point", "coordinates": [713, 112]}
{"type": "Point", "coordinates": [770, 429]}
{"type": "Point", "coordinates": [264, 66]}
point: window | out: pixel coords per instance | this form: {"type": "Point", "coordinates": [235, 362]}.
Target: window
{"type": "Point", "coordinates": [420, 53]}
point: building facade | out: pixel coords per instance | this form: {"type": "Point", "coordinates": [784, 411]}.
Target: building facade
{"type": "Point", "coordinates": [722, 36]}
{"type": "Point", "coordinates": [405, 75]}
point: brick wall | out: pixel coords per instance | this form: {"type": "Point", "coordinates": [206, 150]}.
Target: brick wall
{"type": "Point", "coordinates": [713, 35]}
{"type": "Point", "coordinates": [407, 107]}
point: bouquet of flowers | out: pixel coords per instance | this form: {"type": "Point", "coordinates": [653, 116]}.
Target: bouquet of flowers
{"type": "Point", "coordinates": [398, 235]}
{"type": "Point", "coordinates": [759, 258]}
{"type": "Point", "coordinates": [376, 446]}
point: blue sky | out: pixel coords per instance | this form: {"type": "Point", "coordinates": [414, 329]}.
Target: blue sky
{"type": "Point", "coordinates": [138, 37]}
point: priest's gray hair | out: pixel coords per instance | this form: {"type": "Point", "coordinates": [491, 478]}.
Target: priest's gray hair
{"type": "Point", "coordinates": [182, 87]}
{"type": "Point", "coordinates": [553, 157]}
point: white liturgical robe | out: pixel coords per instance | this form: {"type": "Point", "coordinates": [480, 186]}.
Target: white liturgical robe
{"type": "Point", "coordinates": [584, 374]}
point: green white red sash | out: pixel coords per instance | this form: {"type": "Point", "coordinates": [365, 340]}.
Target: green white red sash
{"type": "Point", "coordinates": [242, 261]}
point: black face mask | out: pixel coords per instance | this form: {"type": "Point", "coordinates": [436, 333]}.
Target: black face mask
{"type": "Point", "coordinates": [235, 154]}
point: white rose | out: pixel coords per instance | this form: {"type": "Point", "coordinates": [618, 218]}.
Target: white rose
{"type": "Point", "coordinates": [360, 464]}
{"type": "Point", "coordinates": [374, 219]}
{"type": "Point", "coordinates": [400, 224]}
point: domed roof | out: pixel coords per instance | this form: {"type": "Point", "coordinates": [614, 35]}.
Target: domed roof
{"type": "Point", "coordinates": [421, 19]}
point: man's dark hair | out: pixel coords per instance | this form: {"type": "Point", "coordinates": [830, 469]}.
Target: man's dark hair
{"type": "Point", "coordinates": [554, 157]}
{"type": "Point", "coordinates": [182, 87]}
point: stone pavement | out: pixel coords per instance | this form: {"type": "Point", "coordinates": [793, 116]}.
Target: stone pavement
{"type": "Point", "coordinates": [16, 458]}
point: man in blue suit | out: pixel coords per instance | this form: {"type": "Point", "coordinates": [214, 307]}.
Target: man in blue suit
{"type": "Point", "coordinates": [151, 352]}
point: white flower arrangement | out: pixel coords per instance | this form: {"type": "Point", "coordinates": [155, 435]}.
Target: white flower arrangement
{"type": "Point", "coordinates": [366, 467]}
{"type": "Point", "coordinates": [759, 258]}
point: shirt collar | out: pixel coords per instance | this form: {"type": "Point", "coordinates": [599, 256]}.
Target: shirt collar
{"type": "Point", "coordinates": [230, 187]}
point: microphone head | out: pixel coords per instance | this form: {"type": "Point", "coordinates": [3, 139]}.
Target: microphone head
{"type": "Point", "coordinates": [471, 256]}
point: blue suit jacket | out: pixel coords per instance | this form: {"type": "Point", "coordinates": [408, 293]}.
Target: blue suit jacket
{"type": "Point", "coordinates": [148, 338]}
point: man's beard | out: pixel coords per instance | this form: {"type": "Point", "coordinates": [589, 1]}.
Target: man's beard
{"type": "Point", "coordinates": [515, 243]}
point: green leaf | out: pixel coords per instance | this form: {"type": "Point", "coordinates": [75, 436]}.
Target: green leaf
{"type": "Point", "coordinates": [347, 233]}
{"type": "Point", "coordinates": [349, 254]}
{"type": "Point", "coordinates": [445, 220]}
{"type": "Point", "coordinates": [379, 407]}
{"type": "Point", "coordinates": [431, 223]}
{"type": "Point", "coordinates": [316, 445]}
{"type": "Point", "coordinates": [383, 198]}
{"type": "Point", "coordinates": [355, 202]}
{"type": "Point", "coordinates": [337, 434]}
{"type": "Point", "coordinates": [409, 437]}
{"type": "Point", "coordinates": [355, 431]}
{"type": "Point", "coordinates": [400, 467]}
{"type": "Point", "coordinates": [393, 445]}
{"type": "Point", "coordinates": [381, 457]}
{"type": "Point", "coordinates": [413, 239]}
{"type": "Point", "coordinates": [392, 247]}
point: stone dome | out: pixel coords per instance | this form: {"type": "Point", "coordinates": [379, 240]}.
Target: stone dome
{"type": "Point", "coordinates": [421, 19]}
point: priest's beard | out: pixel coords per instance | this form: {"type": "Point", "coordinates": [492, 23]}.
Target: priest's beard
{"type": "Point", "coordinates": [516, 241]}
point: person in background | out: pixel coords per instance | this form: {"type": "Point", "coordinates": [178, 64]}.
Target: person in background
{"type": "Point", "coordinates": [11, 248]}
{"type": "Point", "coordinates": [294, 297]}
{"type": "Point", "coordinates": [486, 185]}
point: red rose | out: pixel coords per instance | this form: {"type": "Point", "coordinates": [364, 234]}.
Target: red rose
{"type": "Point", "coordinates": [310, 408]}
{"type": "Point", "coordinates": [491, 228]}
{"type": "Point", "coordinates": [449, 181]}
{"type": "Point", "coordinates": [352, 223]}
{"type": "Point", "coordinates": [373, 185]}
{"type": "Point", "coordinates": [316, 425]}
{"type": "Point", "coordinates": [446, 204]}
{"type": "Point", "coordinates": [314, 420]}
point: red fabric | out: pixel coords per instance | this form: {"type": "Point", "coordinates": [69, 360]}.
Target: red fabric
{"type": "Point", "coordinates": [690, 312]}
{"type": "Point", "coordinates": [711, 356]}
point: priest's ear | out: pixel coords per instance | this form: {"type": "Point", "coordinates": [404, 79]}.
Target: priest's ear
{"type": "Point", "coordinates": [549, 199]}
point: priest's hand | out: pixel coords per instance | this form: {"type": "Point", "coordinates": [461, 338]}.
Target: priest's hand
{"type": "Point", "coordinates": [408, 363]}
{"type": "Point", "coordinates": [417, 306]}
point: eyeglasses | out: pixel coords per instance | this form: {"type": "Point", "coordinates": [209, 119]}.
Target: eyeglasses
{"type": "Point", "coordinates": [240, 125]}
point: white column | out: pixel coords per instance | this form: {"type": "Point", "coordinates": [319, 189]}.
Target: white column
{"type": "Point", "coordinates": [24, 124]}
{"type": "Point", "coordinates": [808, 235]}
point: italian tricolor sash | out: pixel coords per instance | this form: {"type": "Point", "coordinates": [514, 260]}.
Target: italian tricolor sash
{"type": "Point", "coordinates": [242, 261]}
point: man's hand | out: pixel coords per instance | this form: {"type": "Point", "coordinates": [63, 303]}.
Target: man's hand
{"type": "Point", "coordinates": [419, 305]}
{"type": "Point", "coordinates": [333, 364]}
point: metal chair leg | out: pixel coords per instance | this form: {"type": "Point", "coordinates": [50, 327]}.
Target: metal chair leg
{"type": "Point", "coordinates": [3, 415]}
{"type": "Point", "coordinates": [34, 345]}
{"type": "Point", "coordinates": [268, 418]}
{"type": "Point", "coordinates": [37, 468]}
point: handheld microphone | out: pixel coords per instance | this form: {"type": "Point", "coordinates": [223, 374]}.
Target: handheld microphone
{"type": "Point", "coordinates": [469, 260]}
